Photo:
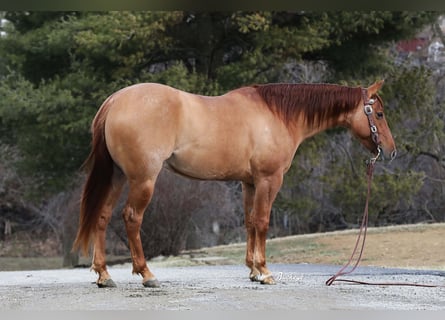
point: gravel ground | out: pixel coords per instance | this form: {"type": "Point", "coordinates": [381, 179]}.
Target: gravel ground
{"type": "Point", "coordinates": [299, 287]}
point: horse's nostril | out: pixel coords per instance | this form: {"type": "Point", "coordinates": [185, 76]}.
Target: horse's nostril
{"type": "Point", "coordinates": [393, 154]}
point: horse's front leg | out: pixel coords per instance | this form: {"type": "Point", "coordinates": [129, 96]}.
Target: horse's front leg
{"type": "Point", "coordinates": [248, 197]}
{"type": "Point", "coordinates": [265, 193]}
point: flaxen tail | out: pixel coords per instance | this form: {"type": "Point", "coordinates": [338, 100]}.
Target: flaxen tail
{"type": "Point", "coordinates": [98, 184]}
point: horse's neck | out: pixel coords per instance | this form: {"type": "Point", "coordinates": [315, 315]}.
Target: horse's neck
{"type": "Point", "coordinates": [308, 131]}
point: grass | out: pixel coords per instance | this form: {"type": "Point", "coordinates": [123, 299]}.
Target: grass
{"type": "Point", "coordinates": [419, 246]}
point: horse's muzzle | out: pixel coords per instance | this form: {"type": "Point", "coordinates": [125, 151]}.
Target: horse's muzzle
{"type": "Point", "coordinates": [389, 155]}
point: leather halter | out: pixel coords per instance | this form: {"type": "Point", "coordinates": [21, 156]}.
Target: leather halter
{"type": "Point", "coordinates": [372, 127]}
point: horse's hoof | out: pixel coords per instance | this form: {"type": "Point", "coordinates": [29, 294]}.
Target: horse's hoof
{"type": "Point", "coordinates": [152, 283]}
{"type": "Point", "coordinates": [268, 280]}
{"type": "Point", "coordinates": [254, 277]}
{"type": "Point", "coordinates": [263, 279]}
{"type": "Point", "coordinates": [107, 283]}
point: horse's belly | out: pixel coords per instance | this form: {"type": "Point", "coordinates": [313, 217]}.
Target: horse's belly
{"type": "Point", "coordinates": [209, 165]}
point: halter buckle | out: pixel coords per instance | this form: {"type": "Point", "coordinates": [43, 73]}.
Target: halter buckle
{"type": "Point", "coordinates": [372, 160]}
{"type": "Point", "coordinates": [368, 109]}
{"type": "Point", "coordinates": [373, 129]}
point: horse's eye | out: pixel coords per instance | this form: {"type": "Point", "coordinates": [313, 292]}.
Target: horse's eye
{"type": "Point", "coordinates": [379, 115]}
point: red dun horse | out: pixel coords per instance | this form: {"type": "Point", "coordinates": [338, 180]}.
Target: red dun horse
{"type": "Point", "coordinates": [249, 134]}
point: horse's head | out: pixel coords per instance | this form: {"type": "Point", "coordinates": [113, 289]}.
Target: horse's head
{"type": "Point", "coordinates": [370, 126]}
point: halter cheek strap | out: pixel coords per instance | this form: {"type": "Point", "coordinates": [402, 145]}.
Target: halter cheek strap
{"type": "Point", "coordinates": [374, 133]}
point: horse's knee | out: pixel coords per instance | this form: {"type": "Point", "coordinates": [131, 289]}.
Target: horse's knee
{"type": "Point", "coordinates": [262, 226]}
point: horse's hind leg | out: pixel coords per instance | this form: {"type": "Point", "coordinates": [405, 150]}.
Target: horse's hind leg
{"type": "Point", "coordinates": [139, 197]}
{"type": "Point", "coordinates": [99, 261]}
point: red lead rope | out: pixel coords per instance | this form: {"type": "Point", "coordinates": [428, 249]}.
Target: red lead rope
{"type": "Point", "coordinates": [362, 237]}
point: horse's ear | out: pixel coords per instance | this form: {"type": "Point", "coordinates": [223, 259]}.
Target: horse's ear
{"type": "Point", "coordinates": [372, 90]}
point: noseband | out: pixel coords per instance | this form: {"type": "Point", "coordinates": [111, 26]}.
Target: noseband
{"type": "Point", "coordinates": [374, 134]}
